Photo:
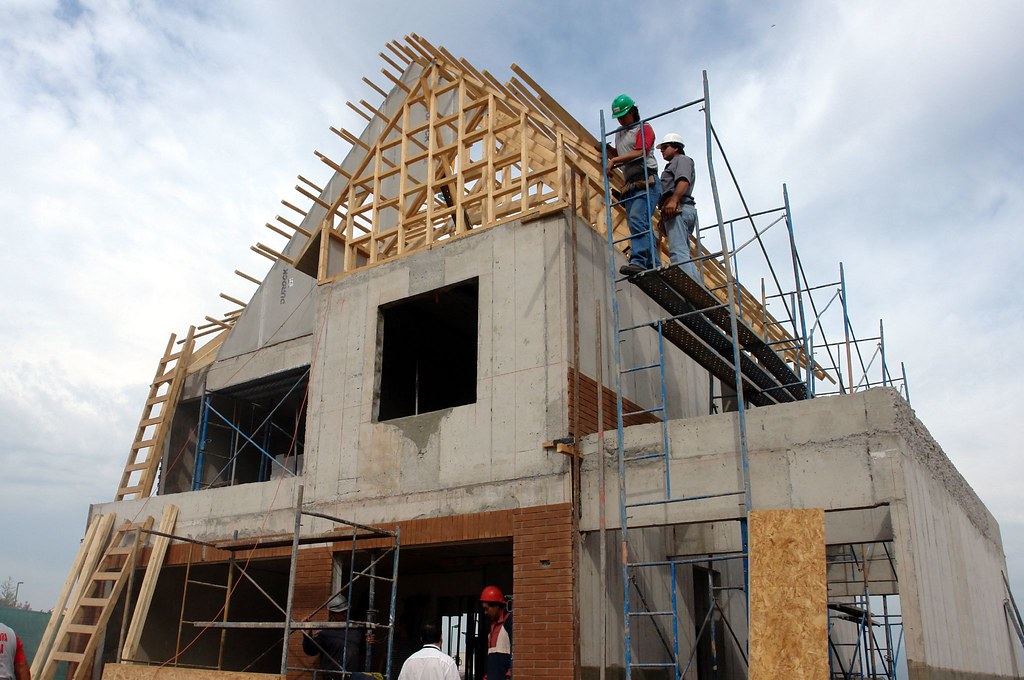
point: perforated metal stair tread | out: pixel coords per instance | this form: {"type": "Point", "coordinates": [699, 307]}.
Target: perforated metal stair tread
{"type": "Point", "coordinates": [679, 293]}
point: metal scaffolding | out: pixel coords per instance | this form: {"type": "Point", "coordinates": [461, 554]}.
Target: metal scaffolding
{"type": "Point", "coordinates": [368, 575]}
{"type": "Point", "coordinates": [873, 648]}
{"type": "Point", "coordinates": [248, 442]}
{"type": "Point", "coordinates": [753, 358]}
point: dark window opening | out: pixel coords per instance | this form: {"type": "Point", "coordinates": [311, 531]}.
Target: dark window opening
{"type": "Point", "coordinates": [428, 351]}
{"type": "Point", "coordinates": [712, 654]}
{"type": "Point", "coordinates": [439, 584]}
{"type": "Point", "coordinates": [252, 432]}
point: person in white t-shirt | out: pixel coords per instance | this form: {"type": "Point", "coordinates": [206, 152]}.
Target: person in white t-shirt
{"type": "Point", "coordinates": [430, 663]}
{"type": "Point", "coordinates": [13, 664]}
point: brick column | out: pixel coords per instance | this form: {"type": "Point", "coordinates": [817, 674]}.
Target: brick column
{"type": "Point", "coordinates": [542, 645]}
{"type": "Point", "coordinates": [312, 586]}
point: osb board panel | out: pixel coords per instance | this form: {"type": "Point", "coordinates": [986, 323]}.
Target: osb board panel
{"type": "Point", "coordinates": [788, 595]}
{"type": "Point", "coordinates": [121, 671]}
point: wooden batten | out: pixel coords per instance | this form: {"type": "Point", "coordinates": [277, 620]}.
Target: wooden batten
{"type": "Point", "coordinates": [277, 230]}
{"type": "Point", "coordinates": [293, 207]}
{"type": "Point", "coordinates": [245, 276]}
{"type": "Point", "coordinates": [359, 111]}
{"type": "Point", "coordinates": [376, 88]}
{"type": "Point", "coordinates": [234, 300]}
{"type": "Point", "coordinates": [313, 186]}
{"type": "Point", "coordinates": [293, 226]}
{"type": "Point", "coordinates": [313, 197]}
{"type": "Point", "coordinates": [395, 80]}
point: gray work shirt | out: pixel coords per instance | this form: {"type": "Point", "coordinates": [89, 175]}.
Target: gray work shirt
{"type": "Point", "coordinates": [680, 167]}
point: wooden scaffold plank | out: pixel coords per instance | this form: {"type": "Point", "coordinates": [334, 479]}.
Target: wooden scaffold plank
{"type": "Point", "coordinates": [156, 559]}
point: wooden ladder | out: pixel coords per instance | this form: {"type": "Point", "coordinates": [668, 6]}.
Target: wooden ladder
{"type": "Point", "coordinates": [84, 624]}
{"type": "Point", "coordinates": [155, 424]}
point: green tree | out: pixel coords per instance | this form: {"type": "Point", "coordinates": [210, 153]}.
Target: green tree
{"type": "Point", "coordinates": [8, 595]}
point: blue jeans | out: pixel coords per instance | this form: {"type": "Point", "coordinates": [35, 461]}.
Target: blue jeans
{"type": "Point", "coordinates": [639, 211]}
{"type": "Point", "coordinates": [679, 228]}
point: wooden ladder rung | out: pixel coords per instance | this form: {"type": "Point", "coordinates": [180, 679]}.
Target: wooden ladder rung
{"type": "Point", "coordinates": [161, 379]}
{"type": "Point", "coordinates": [120, 550]}
{"type": "Point", "coordinates": [67, 656]}
{"type": "Point", "coordinates": [134, 467]}
{"type": "Point", "coordinates": [151, 421]}
{"type": "Point", "coordinates": [143, 444]}
{"type": "Point", "coordinates": [94, 601]}
{"type": "Point", "coordinates": [129, 489]}
{"type": "Point", "coordinates": [82, 628]}
{"type": "Point", "coordinates": [158, 399]}
{"type": "Point", "coordinates": [106, 576]}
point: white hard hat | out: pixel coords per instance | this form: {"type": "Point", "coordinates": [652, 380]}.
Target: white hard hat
{"type": "Point", "coordinates": [670, 138]}
{"type": "Point", "coordinates": [338, 604]}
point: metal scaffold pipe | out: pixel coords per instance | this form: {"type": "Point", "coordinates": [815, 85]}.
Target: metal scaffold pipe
{"type": "Point", "coordinates": [734, 329]}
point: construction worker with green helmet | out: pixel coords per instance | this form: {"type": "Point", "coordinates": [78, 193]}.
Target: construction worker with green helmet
{"type": "Point", "coordinates": [633, 154]}
{"type": "Point", "coordinates": [622, 105]}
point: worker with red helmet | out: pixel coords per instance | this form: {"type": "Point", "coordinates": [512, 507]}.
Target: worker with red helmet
{"type": "Point", "coordinates": [499, 640]}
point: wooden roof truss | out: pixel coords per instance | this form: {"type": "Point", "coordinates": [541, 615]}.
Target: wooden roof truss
{"type": "Point", "coordinates": [451, 150]}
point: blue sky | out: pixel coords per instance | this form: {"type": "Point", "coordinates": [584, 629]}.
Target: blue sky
{"type": "Point", "coordinates": [146, 143]}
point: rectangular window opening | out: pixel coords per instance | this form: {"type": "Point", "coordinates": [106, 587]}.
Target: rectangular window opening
{"type": "Point", "coordinates": [428, 351]}
{"type": "Point", "coordinates": [253, 432]}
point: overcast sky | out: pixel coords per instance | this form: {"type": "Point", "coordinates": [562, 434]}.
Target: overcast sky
{"type": "Point", "coordinates": [145, 144]}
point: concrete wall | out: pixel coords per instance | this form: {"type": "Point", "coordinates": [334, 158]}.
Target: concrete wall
{"type": "Point", "coordinates": [880, 477]}
{"type": "Point", "coordinates": [459, 459]}
{"type": "Point", "coordinates": [951, 556]}
{"type": "Point", "coordinates": [836, 453]}
{"type": "Point", "coordinates": [281, 309]}
{"type": "Point", "coordinates": [478, 457]}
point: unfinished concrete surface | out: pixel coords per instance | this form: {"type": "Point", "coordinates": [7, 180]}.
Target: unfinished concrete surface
{"type": "Point", "coordinates": [482, 456]}
{"type": "Point", "coordinates": [872, 466]}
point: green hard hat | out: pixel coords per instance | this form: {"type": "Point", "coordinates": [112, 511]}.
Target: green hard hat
{"type": "Point", "coordinates": [622, 105]}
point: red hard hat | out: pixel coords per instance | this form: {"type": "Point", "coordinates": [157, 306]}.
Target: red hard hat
{"type": "Point", "coordinates": [492, 594]}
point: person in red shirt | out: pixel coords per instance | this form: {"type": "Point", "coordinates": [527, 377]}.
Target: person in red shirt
{"type": "Point", "coordinates": [634, 154]}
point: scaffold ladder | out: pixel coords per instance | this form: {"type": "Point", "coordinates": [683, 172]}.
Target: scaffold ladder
{"type": "Point", "coordinates": [710, 332]}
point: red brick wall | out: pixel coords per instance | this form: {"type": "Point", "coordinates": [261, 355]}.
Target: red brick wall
{"type": "Point", "coordinates": [543, 636]}
{"type": "Point", "coordinates": [588, 406]}
{"type": "Point", "coordinates": [312, 587]}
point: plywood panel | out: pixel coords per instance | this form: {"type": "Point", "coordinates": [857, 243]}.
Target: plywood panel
{"type": "Point", "coordinates": [788, 595]}
{"type": "Point", "coordinates": [120, 671]}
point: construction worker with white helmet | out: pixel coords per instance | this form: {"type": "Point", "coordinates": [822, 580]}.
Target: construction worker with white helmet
{"type": "Point", "coordinates": [340, 649]}
{"type": "Point", "coordinates": [678, 210]}
{"type": "Point", "coordinates": [634, 154]}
